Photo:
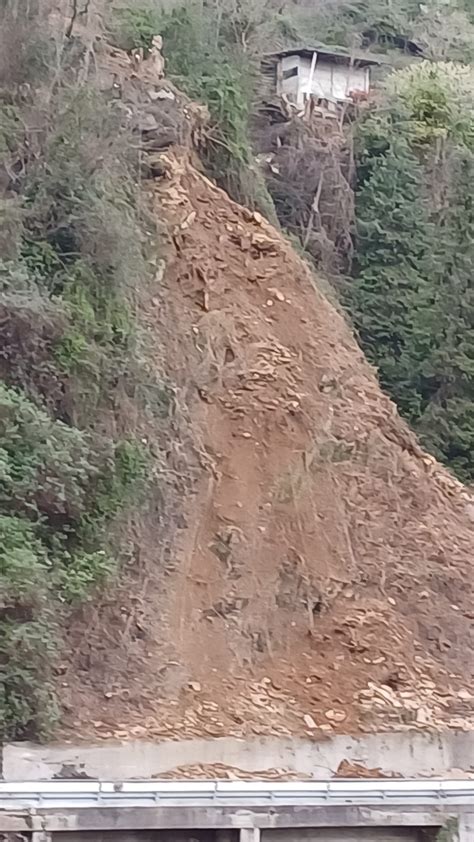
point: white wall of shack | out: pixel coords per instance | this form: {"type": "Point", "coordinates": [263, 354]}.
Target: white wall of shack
{"type": "Point", "coordinates": [290, 86]}
{"type": "Point", "coordinates": [330, 81]}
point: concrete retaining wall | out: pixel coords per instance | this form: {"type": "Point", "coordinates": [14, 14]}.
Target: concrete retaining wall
{"type": "Point", "coordinates": [366, 834]}
{"type": "Point", "coordinates": [408, 753]}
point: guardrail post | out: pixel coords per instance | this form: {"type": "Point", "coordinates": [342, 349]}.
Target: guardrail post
{"type": "Point", "coordinates": [40, 836]}
{"type": "Point", "coordinates": [249, 834]}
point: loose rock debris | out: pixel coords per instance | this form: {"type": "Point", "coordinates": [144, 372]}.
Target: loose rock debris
{"type": "Point", "coordinates": [351, 769]}
{"type": "Point", "coordinates": [220, 771]}
{"type": "Point", "coordinates": [345, 605]}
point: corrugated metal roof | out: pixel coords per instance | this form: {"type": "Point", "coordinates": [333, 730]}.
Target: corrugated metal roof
{"type": "Point", "coordinates": [338, 56]}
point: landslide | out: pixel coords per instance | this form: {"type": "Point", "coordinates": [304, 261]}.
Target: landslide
{"type": "Point", "coordinates": [319, 578]}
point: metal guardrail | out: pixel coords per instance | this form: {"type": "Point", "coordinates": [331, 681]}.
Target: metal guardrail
{"type": "Point", "coordinates": [89, 793]}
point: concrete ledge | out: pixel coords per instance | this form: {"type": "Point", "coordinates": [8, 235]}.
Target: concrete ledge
{"type": "Point", "coordinates": [149, 818]}
{"type": "Point", "coordinates": [407, 753]}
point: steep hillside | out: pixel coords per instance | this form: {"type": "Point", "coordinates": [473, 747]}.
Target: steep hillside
{"type": "Point", "coordinates": [319, 574]}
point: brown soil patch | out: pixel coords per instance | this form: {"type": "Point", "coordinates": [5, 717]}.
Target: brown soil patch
{"type": "Point", "coordinates": [319, 578]}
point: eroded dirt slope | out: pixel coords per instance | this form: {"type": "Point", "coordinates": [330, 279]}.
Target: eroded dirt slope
{"type": "Point", "coordinates": [319, 577]}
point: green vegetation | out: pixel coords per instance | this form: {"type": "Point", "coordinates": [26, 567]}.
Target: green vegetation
{"type": "Point", "coordinates": [206, 56]}
{"type": "Point", "coordinates": [59, 488]}
{"type": "Point", "coordinates": [72, 242]}
{"type": "Point", "coordinates": [215, 73]}
{"type": "Point", "coordinates": [134, 27]}
{"type": "Point", "coordinates": [444, 30]}
{"type": "Point", "coordinates": [69, 460]}
{"type": "Point", "coordinates": [412, 297]}
{"type": "Point", "coordinates": [449, 832]}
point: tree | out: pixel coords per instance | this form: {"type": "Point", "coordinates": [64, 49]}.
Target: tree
{"type": "Point", "coordinates": [394, 245]}
{"type": "Point", "coordinates": [412, 295]}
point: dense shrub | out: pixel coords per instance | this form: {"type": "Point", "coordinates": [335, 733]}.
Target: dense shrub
{"type": "Point", "coordinates": [27, 632]}
{"type": "Point", "coordinates": [59, 489]}
{"type": "Point", "coordinates": [69, 462]}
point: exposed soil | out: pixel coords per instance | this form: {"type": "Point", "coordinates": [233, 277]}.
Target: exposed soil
{"type": "Point", "coordinates": [221, 771]}
{"type": "Point", "coordinates": [318, 577]}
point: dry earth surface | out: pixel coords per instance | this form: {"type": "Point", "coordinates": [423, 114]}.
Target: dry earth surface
{"type": "Point", "coordinates": [318, 575]}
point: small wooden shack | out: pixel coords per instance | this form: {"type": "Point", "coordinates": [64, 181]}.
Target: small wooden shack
{"type": "Point", "coordinates": [320, 73]}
